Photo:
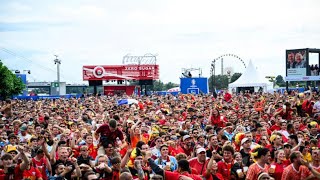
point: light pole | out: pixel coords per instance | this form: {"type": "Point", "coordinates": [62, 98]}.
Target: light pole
{"type": "Point", "coordinates": [29, 72]}
{"type": "Point", "coordinates": [58, 62]}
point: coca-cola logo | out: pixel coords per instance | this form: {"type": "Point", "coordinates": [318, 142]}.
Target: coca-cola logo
{"type": "Point", "coordinates": [98, 71]}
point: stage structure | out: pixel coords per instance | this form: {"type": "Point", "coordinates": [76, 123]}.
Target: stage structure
{"type": "Point", "coordinates": [190, 84]}
{"type": "Point", "coordinates": [134, 68]}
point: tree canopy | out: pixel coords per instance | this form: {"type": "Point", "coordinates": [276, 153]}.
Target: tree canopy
{"type": "Point", "coordinates": [221, 81]}
{"type": "Point", "coordinates": [280, 81]}
{"type": "Point", "coordinates": [10, 84]}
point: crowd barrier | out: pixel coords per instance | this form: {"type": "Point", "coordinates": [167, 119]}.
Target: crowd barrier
{"type": "Point", "coordinates": [67, 96]}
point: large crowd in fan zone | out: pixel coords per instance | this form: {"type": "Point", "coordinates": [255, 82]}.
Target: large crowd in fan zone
{"type": "Point", "coordinates": [226, 136]}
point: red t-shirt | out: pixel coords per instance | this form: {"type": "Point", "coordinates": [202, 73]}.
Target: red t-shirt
{"type": "Point", "coordinates": [275, 128]}
{"type": "Point", "coordinates": [217, 175]}
{"type": "Point", "coordinates": [227, 97]}
{"type": "Point", "coordinates": [105, 131]}
{"type": "Point", "coordinates": [31, 174]}
{"type": "Point", "coordinates": [172, 151]}
{"type": "Point", "coordinates": [41, 166]}
{"type": "Point", "coordinates": [200, 167]}
{"type": "Point", "coordinates": [175, 175]}
{"type": "Point", "coordinates": [225, 169]}
{"type": "Point", "coordinates": [218, 121]}
{"type": "Point", "coordinates": [185, 151]}
{"type": "Point", "coordinates": [279, 169]}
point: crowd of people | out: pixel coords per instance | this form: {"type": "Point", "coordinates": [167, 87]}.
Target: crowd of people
{"type": "Point", "coordinates": [229, 136]}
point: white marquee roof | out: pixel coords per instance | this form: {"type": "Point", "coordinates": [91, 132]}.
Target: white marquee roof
{"type": "Point", "coordinates": [250, 78]}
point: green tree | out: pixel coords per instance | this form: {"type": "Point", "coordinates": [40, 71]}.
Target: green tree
{"type": "Point", "coordinates": [158, 85]}
{"type": "Point", "coordinates": [169, 85]}
{"type": "Point", "coordinates": [9, 84]}
{"type": "Point", "coordinates": [235, 77]}
{"type": "Point", "coordinates": [221, 82]}
{"type": "Point", "coordinates": [280, 81]}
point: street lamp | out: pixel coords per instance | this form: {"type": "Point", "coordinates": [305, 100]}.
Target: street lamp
{"type": "Point", "coordinates": [58, 62]}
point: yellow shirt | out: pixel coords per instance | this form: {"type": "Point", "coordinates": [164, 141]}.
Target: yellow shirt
{"type": "Point", "coordinates": [307, 157]}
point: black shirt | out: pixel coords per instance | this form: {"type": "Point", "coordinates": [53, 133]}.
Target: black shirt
{"type": "Point", "coordinates": [82, 160]}
{"type": "Point", "coordinates": [65, 163]}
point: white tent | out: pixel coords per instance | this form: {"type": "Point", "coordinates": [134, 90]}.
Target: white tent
{"type": "Point", "coordinates": [175, 89]}
{"type": "Point", "coordinates": [251, 78]}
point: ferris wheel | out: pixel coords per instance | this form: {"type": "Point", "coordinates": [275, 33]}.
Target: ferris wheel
{"type": "Point", "coordinates": [221, 59]}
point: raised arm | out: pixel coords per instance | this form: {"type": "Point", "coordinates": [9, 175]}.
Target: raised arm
{"type": "Point", "coordinates": [25, 159]}
{"type": "Point", "coordinates": [126, 158]}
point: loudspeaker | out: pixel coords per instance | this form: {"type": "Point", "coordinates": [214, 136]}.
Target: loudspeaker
{"type": "Point", "coordinates": [145, 82]}
{"type": "Point", "coordinates": [95, 83]}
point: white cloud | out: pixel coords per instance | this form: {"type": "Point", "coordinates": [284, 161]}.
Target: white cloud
{"type": "Point", "coordinates": [184, 33]}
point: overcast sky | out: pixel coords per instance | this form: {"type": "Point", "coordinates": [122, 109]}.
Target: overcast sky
{"type": "Point", "coordinates": [182, 33]}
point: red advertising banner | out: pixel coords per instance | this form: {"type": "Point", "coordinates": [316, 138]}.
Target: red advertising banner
{"type": "Point", "coordinates": [121, 72]}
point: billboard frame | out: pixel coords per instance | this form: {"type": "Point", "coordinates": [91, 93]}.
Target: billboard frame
{"type": "Point", "coordinates": [307, 78]}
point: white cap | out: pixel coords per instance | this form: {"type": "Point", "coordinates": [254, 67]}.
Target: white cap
{"type": "Point", "coordinates": [199, 150]}
{"type": "Point", "coordinates": [186, 137]}
{"type": "Point", "coordinates": [244, 140]}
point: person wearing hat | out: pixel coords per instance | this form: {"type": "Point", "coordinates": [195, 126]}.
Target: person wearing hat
{"type": "Point", "coordinates": [245, 151]}
{"type": "Point", "coordinates": [200, 162]}
{"type": "Point", "coordinates": [12, 139]}
{"type": "Point", "coordinates": [23, 135]}
{"type": "Point", "coordinates": [13, 171]}
{"type": "Point", "coordinates": [313, 129]}
{"type": "Point", "coordinates": [186, 145]}
{"type": "Point", "coordinates": [276, 141]}
{"type": "Point", "coordinates": [11, 150]}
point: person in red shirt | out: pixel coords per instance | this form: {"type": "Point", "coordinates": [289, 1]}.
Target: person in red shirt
{"type": "Point", "coordinates": [109, 132]}
{"type": "Point", "coordinates": [285, 111]}
{"type": "Point", "coordinates": [227, 97]}
{"type": "Point", "coordinates": [276, 126]}
{"type": "Point", "coordinates": [41, 163]}
{"type": "Point", "coordinates": [200, 162]}
{"type": "Point", "coordinates": [277, 167]}
{"type": "Point", "coordinates": [216, 119]}
{"type": "Point", "coordinates": [12, 172]}
{"type": "Point", "coordinates": [186, 146]}
{"type": "Point", "coordinates": [26, 170]}
{"type": "Point", "coordinates": [211, 172]}
{"type": "Point", "coordinates": [225, 165]}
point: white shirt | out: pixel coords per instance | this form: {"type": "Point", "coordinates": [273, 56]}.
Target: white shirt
{"type": "Point", "coordinates": [316, 106]}
{"type": "Point", "coordinates": [285, 133]}
{"type": "Point", "coordinates": [25, 138]}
